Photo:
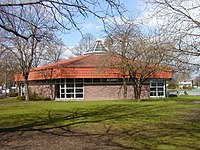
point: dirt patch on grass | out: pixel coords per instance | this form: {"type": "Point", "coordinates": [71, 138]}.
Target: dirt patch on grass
{"type": "Point", "coordinates": [58, 139]}
{"type": "Point", "coordinates": [193, 116]}
{"type": "Point", "coordinates": [196, 102]}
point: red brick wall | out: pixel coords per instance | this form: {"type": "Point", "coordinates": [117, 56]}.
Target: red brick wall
{"type": "Point", "coordinates": [111, 92]}
{"type": "Point", "coordinates": [47, 91]}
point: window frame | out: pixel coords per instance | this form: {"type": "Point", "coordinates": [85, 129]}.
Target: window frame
{"type": "Point", "coordinates": [157, 86]}
{"type": "Point", "coordinates": [68, 89]}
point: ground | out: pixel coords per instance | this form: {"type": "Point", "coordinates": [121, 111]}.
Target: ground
{"type": "Point", "coordinates": [115, 125]}
{"type": "Point", "coordinates": [57, 139]}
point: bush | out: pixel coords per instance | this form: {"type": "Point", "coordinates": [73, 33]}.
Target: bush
{"type": "Point", "coordinates": [187, 87]}
{"type": "Point", "coordinates": [39, 98]}
{"type": "Point", "coordinates": [34, 97]}
{"type": "Point", "coordinates": [172, 85]}
{"type": "Point", "coordinates": [186, 93]}
{"type": "Point", "coordinates": [2, 96]}
{"type": "Point", "coordinates": [173, 95]}
{"type": "Point", "coordinates": [13, 94]}
{"type": "Point", "coordinates": [22, 98]}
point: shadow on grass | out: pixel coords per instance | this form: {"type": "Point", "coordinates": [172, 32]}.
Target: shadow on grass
{"type": "Point", "coordinates": [56, 119]}
{"type": "Point", "coordinates": [147, 134]}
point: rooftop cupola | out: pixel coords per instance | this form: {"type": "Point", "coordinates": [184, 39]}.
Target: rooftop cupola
{"type": "Point", "coordinates": [97, 48]}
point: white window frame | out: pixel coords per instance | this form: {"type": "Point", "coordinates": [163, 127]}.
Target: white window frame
{"type": "Point", "coordinates": [74, 93]}
{"type": "Point", "coordinates": [157, 86]}
{"type": "Point", "coordinates": [22, 89]}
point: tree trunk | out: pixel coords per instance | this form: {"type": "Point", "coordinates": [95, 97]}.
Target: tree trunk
{"type": "Point", "coordinates": [137, 92]}
{"type": "Point", "coordinates": [26, 87]}
{"type": "Point", "coordinates": [137, 89]}
{"type": "Point", "coordinates": [124, 88]}
{"type": "Point", "coordinates": [19, 89]}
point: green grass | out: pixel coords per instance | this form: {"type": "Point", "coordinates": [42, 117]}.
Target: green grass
{"type": "Point", "coordinates": [172, 123]}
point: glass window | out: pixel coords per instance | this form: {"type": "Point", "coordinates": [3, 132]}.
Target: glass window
{"type": "Point", "coordinates": [57, 80]}
{"type": "Point", "coordinates": [62, 80]}
{"type": "Point", "coordinates": [70, 95]}
{"type": "Point", "coordinates": [157, 88]}
{"type": "Point", "coordinates": [152, 93]}
{"type": "Point", "coordinates": [62, 96]}
{"type": "Point", "coordinates": [70, 85]}
{"type": "Point", "coordinates": [79, 95]}
{"type": "Point", "coordinates": [160, 93]}
{"type": "Point", "coordinates": [160, 84]}
{"type": "Point", "coordinates": [161, 89]}
{"type": "Point", "coordinates": [153, 83]}
{"type": "Point", "coordinates": [113, 80]}
{"type": "Point", "coordinates": [96, 80]}
{"type": "Point", "coordinates": [79, 90]}
{"type": "Point", "coordinates": [79, 80]}
{"type": "Point", "coordinates": [62, 91]}
{"type": "Point", "coordinates": [104, 80]}
{"type": "Point", "coordinates": [79, 85]}
{"type": "Point", "coordinates": [70, 80]}
{"type": "Point", "coordinates": [89, 80]}
{"type": "Point", "coordinates": [152, 89]}
{"type": "Point", "coordinates": [71, 90]}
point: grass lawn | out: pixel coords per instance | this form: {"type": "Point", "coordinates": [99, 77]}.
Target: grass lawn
{"type": "Point", "coordinates": [172, 123]}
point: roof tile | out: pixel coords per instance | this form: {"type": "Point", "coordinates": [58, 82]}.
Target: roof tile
{"type": "Point", "coordinates": [87, 66]}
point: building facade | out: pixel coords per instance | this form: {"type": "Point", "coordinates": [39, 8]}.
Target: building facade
{"type": "Point", "coordinates": [86, 78]}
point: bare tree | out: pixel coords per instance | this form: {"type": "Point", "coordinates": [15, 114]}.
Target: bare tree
{"type": "Point", "coordinates": [54, 52]}
{"type": "Point", "coordinates": [8, 68]}
{"type": "Point", "coordinates": [138, 56]}
{"type": "Point", "coordinates": [38, 55]}
{"type": "Point", "coordinates": [180, 20]}
{"type": "Point", "coordinates": [26, 50]}
{"type": "Point", "coordinates": [119, 42]}
{"type": "Point", "coordinates": [27, 24]}
{"type": "Point", "coordinates": [65, 14]}
{"type": "Point", "coordinates": [87, 41]}
{"type": "Point", "coordinates": [197, 81]}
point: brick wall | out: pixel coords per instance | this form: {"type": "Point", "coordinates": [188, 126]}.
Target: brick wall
{"type": "Point", "coordinates": [94, 92]}
{"type": "Point", "coordinates": [47, 91]}
{"type": "Point", "coordinates": [111, 92]}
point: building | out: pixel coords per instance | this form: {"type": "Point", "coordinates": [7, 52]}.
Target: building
{"type": "Point", "coordinates": [85, 78]}
{"type": "Point", "coordinates": [186, 84]}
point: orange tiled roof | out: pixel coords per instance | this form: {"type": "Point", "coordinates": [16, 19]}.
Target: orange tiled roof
{"type": "Point", "coordinates": [88, 66]}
